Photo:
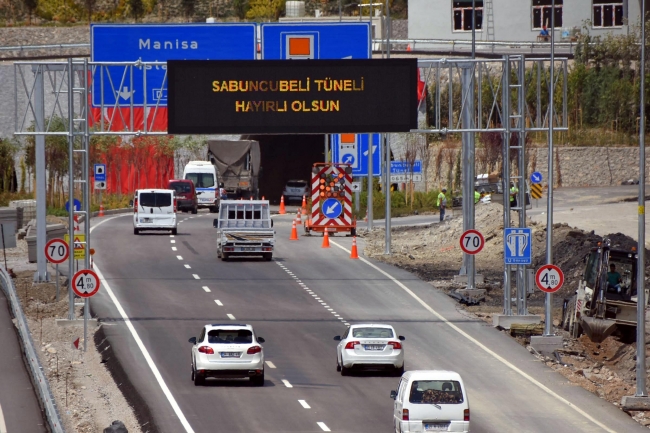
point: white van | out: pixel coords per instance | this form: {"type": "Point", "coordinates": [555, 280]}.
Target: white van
{"type": "Point", "coordinates": [430, 400]}
{"type": "Point", "coordinates": [204, 176]}
{"type": "Point", "coordinates": [154, 209]}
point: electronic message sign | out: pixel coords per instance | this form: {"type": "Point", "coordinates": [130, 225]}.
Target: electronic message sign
{"type": "Point", "coordinates": [292, 97]}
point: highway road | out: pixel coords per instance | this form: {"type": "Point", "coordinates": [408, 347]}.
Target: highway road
{"type": "Point", "coordinates": [160, 290]}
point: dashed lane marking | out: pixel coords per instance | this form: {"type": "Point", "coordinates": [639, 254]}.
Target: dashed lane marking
{"type": "Point", "coordinates": [172, 241]}
{"type": "Point", "coordinates": [304, 404]}
{"type": "Point", "coordinates": [323, 426]}
{"type": "Point", "coordinates": [218, 302]}
{"type": "Point", "coordinates": [206, 289]}
{"type": "Point", "coordinates": [231, 317]}
{"type": "Point", "coordinates": [179, 257]}
{"type": "Point", "coordinates": [270, 364]}
{"type": "Point", "coordinates": [187, 266]}
{"type": "Point", "coordinates": [286, 383]}
{"type": "Point", "coordinates": [196, 277]}
{"type": "Point", "coordinates": [174, 249]}
{"type": "Point", "coordinates": [3, 427]}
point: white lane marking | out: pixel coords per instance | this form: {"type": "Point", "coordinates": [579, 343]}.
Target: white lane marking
{"type": "Point", "coordinates": [481, 345]}
{"type": "Point", "coordinates": [270, 364]}
{"type": "Point", "coordinates": [218, 302]}
{"type": "Point", "coordinates": [230, 316]}
{"type": "Point", "coordinates": [206, 289]}
{"type": "Point", "coordinates": [179, 257]}
{"type": "Point", "coordinates": [171, 236]}
{"type": "Point", "coordinates": [188, 266]}
{"type": "Point", "coordinates": [174, 249]}
{"type": "Point", "coordinates": [196, 277]}
{"type": "Point", "coordinates": [330, 309]}
{"type": "Point", "coordinates": [346, 323]}
{"type": "Point", "coordinates": [172, 241]}
{"type": "Point", "coordinates": [322, 303]}
{"type": "Point", "coordinates": [304, 404]}
{"type": "Point", "coordinates": [143, 349]}
{"type": "Point", "coordinates": [323, 426]}
{"type": "Point", "coordinates": [286, 383]}
{"type": "Point", "coordinates": [3, 426]}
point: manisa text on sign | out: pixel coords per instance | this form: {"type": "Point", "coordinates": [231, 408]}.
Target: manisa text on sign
{"type": "Point", "coordinates": [292, 96]}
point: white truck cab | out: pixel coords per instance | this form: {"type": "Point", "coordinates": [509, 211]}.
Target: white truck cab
{"type": "Point", "coordinates": [204, 176]}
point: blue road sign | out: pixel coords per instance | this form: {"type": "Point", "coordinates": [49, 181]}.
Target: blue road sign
{"type": "Point", "coordinates": [356, 153]}
{"type": "Point", "coordinates": [331, 208]}
{"type": "Point", "coordinates": [159, 42]}
{"type": "Point", "coordinates": [536, 177]}
{"type": "Point", "coordinates": [77, 205]}
{"type": "Point", "coordinates": [517, 246]}
{"type": "Point", "coordinates": [100, 172]}
{"type": "Point", "coordinates": [316, 40]}
{"type": "Point", "coordinates": [402, 167]}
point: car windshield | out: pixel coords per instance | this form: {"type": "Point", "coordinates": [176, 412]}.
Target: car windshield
{"type": "Point", "coordinates": [230, 336]}
{"type": "Point", "coordinates": [155, 199]}
{"type": "Point", "coordinates": [201, 180]}
{"type": "Point", "coordinates": [436, 392]}
{"type": "Point", "coordinates": [296, 184]}
{"type": "Point", "coordinates": [180, 186]}
{"type": "Point", "coordinates": [372, 333]}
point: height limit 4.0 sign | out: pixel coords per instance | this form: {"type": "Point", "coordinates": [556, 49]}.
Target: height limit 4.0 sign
{"type": "Point", "coordinates": [549, 278]}
{"type": "Point", "coordinates": [85, 283]}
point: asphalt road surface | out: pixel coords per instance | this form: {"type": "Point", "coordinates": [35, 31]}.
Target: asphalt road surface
{"type": "Point", "coordinates": [159, 290]}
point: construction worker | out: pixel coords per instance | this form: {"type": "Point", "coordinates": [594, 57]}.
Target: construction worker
{"type": "Point", "coordinates": [477, 196]}
{"type": "Point", "coordinates": [513, 194]}
{"type": "Point", "coordinates": [442, 203]}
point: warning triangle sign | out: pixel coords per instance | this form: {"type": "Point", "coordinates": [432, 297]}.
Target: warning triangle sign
{"type": "Point", "coordinates": [77, 245]}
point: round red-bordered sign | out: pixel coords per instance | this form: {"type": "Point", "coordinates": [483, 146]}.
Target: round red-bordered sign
{"type": "Point", "coordinates": [85, 283]}
{"type": "Point", "coordinates": [57, 251]}
{"type": "Point", "coordinates": [549, 278]}
{"type": "Point", "coordinates": [472, 242]}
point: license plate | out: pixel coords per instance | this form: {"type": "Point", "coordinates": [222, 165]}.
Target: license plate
{"type": "Point", "coordinates": [374, 346]}
{"type": "Point", "coordinates": [205, 199]}
{"type": "Point", "coordinates": [247, 248]}
{"type": "Point", "coordinates": [145, 220]}
{"type": "Point", "coordinates": [230, 354]}
{"type": "Point", "coordinates": [436, 426]}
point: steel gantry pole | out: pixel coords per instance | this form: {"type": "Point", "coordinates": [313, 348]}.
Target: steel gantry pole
{"type": "Point", "coordinates": [522, 280]}
{"type": "Point", "coordinates": [83, 106]}
{"type": "Point", "coordinates": [41, 274]}
{"type": "Point", "coordinates": [387, 190]}
{"type": "Point", "coordinates": [370, 177]}
{"type": "Point", "coordinates": [505, 119]}
{"type": "Point", "coordinates": [548, 317]}
{"type": "Point", "coordinates": [467, 104]}
{"type": "Point", "coordinates": [71, 221]}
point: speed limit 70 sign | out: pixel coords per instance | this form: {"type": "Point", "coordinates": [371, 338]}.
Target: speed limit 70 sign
{"type": "Point", "coordinates": [472, 242]}
{"type": "Point", "coordinates": [85, 283]}
{"type": "Point", "coordinates": [549, 278]}
{"type": "Point", "coordinates": [57, 251]}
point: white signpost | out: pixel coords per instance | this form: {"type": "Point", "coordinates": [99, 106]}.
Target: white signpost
{"type": "Point", "coordinates": [85, 284]}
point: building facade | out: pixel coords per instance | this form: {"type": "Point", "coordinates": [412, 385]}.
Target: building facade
{"type": "Point", "coordinates": [519, 20]}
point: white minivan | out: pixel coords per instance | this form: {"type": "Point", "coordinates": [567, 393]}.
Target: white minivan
{"type": "Point", "coordinates": [430, 400]}
{"type": "Point", "coordinates": [154, 209]}
{"type": "Point", "coordinates": [204, 176]}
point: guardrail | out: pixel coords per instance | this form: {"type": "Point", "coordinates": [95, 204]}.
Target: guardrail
{"type": "Point", "coordinates": [35, 368]}
{"type": "Point", "coordinates": [43, 47]}
{"type": "Point", "coordinates": [427, 43]}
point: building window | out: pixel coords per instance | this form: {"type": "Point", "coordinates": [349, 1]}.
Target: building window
{"type": "Point", "coordinates": [608, 13]}
{"type": "Point", "coordinates": [542, 13]}
{"type": "Point", "coordinates": [462, 10]}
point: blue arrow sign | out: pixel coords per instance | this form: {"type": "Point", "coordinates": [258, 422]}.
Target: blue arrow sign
{"type": "Point", "coordinates": [403, 167]}
{"type": "Point", "coordinates": [361, 158]}
{"type": "Point", "coordinates": [536, 177]}
{"type": "Point", "coordinates": [517, 246]}
{"type": "Point", "coordinates": [316, 40]}
{"type": "Point", "coordinates": [159, 42]}
{"type": "Point", "coordinates": [77, 205]}
{"type": "Point", "coordinates": [331, 208]}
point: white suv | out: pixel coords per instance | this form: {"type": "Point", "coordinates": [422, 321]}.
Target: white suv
{"type": "Point", "coordinates": [227, 351]}
{"type": "Point", "coordinates": [295, 190]}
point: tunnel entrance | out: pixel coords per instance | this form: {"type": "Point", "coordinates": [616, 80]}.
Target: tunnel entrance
{"type": "Point", "coordinates": [284, 158]}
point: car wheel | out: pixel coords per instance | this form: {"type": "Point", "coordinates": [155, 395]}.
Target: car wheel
{"type": "Point", "coordinates": [258, 380]}
{"type": "Point", "coordinates": [198, 379]}
{"type": "Point", "coordinates": [195, 210]}
{"type": "Point", "coordinates": [398, 372]}
{"type": "Point", "coordinates": [345, 371]}
{"type": "Point", "coordinates": [192, 374]}
{"type": "Point", "coordinates": [136, 231]}
{"type": "Point", "coordinates": [338, 366]}
{"type": "Point", "coordinates": [213, 209]}
{"type": "Point", "coordinates": [224, 257]}
{"type": "Point", "coordinates": [174, 231]}
{"type": "Point", "coordinates": [268, 257]}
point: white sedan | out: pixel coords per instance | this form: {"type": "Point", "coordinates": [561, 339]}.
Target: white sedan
{"type": "Point", "coordinates": [227, 351]}
{"type": "Point", "coordinates": [371, 346]}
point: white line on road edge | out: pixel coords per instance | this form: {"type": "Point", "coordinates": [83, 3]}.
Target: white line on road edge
{"type": "Point", "coordinates": [3, 426]}
{"type": "Point", "coordinates": [304, 404]}
{"type": "Point", "coordinates": [286, 383]}
{"type": "Point", "coordinates": [188, 266]}
{"type": "Point", "coordinates": [230, 316]}
{"type": "Point", "coordinates": [323, 426]}
{"type": "Point", "coordinates": [206, 289]}
{"type": "Point", "coordinates": [270, 364]}
{"type": "Point", "coordinates": [218, 302]}
{"type": "Point", "coordinates": [481, 345]}
{"type": "Point", "coordinates": [179, 257]}
{"type": "Point", "coordinates": [196, 277]}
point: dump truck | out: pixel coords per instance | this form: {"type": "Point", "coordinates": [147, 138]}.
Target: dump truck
{"type": "Point", "coordinates": [238, 165]}
{"type": "Point", "coordinates": [599, 307]}
{"type": "Point", "coordinates": [244, 228]}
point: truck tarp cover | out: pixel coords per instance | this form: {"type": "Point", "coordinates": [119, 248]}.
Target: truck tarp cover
{"type": "Point", "coordinates": [230, 156]}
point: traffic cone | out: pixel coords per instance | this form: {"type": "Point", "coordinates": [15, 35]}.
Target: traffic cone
{"type": "Point", "coordinates": [294, 232]}
{"type": "Point", "coordinates": [304, 205]}
{"type": "Point", "coordinates": [251, 198]}
{"type": "Point", "coordinates": [282, 210]}
{"type": "Point", "coordinates": [263, 198]}
{"type": "Point", "coordinates": [101, 210]}
{"type": "Point", "coordinates": [354, 254]}
{"type": "Point", "coordinates": [326, 240]}
{"type": "Point", "coordinates": [408, 47]}
{"type": "Point", "coordinates": [298, 218]}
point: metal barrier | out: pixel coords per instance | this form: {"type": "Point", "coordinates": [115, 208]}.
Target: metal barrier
{"type": "Point", "coordinates": [44, 47]}
{"type": "Point", "coordinates": [35, 369]}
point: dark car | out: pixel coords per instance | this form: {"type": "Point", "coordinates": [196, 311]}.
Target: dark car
{"type": "Point", "coordinates": [186, 197]}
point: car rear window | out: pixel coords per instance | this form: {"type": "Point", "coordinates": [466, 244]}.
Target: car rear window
{"type": "Point", "coordinates": [230, 336]}
{"type": "Point", "coordinates": [180, 186]}
{"type": "Point", "coordinates": [155, 199]}
{"type": "Point", "coordinates": [436, 392]}
{"type": "Point", "coordinates": [296, 184]}
{"type": "Point", "coordinates": [372, 333]}
{"type": "Point", "coordinates": [201, 180]}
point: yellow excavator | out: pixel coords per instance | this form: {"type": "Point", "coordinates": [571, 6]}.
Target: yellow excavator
{"type": "Point", "coordinates": [606, 298]}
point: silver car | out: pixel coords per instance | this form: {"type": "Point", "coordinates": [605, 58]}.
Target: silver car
{"type": "Point", "coordinates": [295, 190]}
{"type": "Point", "coordinates": [370, 346]}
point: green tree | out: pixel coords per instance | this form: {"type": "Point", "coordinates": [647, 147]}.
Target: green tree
{"type": "Point", "coordinates": [261, 10]}
{"type": "Point", "coordinates": [241, 7]}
